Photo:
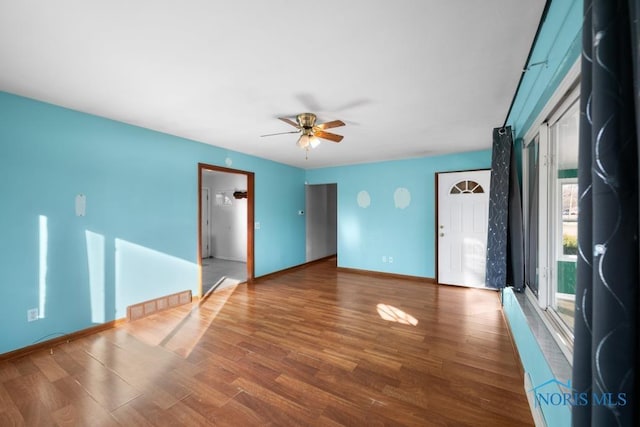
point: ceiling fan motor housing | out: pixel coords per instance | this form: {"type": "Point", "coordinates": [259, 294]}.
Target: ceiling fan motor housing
{"type": "Point", "coordinates": [307, 120]}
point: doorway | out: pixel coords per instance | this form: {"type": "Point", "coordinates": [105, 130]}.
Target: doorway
{"type": "Point", "coordinates": [321, 210]}
{"type": "Point", "coordinates": [461, 225]}
{"type": "Point", "coordinates": [225, 227]}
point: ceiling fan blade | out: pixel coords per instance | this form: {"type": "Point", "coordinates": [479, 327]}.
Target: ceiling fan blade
{"type": "Point", "coordinates": [328, 135]}
{"type": "Point", "coordinates": [280, 133]}
{"type": "Point", "coordinates": [289, 121]}
{"type": "Point", "coordinates": [329, 125]}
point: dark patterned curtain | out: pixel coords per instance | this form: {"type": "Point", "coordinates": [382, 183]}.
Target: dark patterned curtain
{"type": "Point", "coordinates": [606, 319]}
{"type": "Point", "coordinates": [504, 242]}
{"type": "Point", "coordinates": [515, 230]}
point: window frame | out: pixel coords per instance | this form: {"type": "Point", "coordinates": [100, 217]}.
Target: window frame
{"type": "Point", "coordinates": [555, 216]}
{"type": "Point", "coordinates": [539, 133]}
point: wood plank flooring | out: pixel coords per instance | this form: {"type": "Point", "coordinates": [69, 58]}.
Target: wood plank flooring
{"type": "Point", "coordinates": [309, 347]}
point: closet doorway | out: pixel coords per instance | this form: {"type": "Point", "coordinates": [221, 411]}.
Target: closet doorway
{"type": "Point", "coordinates": [321, 210]}
{"type": "Point", "coordinates": [225, 227]}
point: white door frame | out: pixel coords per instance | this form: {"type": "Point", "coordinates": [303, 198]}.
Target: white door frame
{"type": "Point", "coordinates": [437, 214]}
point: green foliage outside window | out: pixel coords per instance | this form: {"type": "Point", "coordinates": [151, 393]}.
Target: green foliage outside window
{"type": "Point", "coordinates": [569, 245]}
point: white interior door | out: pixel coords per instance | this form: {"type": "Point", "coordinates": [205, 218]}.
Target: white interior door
{"type": "Point", "coordinates": [206, 224]}
{"type": "Point", "coordinates": [463, 212]}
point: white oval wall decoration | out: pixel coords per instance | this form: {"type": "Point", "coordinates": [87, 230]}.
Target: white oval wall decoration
{"type": "Point", "coordinates": [364, 200]}
{"type": "Point", "coordinates": [402, 197]}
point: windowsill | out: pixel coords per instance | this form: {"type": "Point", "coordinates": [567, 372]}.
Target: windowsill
{"type": "Point", "coordinates": [558, 362]}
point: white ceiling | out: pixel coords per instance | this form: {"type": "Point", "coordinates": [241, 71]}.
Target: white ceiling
{"type": "Point", "coordinates": [409, 77]}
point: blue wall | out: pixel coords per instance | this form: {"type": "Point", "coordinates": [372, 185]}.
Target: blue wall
{"type": "Point", "coordinates": [138, 239]}
{"type": "Point", "coordinates": [559, 44]}
{"type": "Point", "coordinates": [365, 235]}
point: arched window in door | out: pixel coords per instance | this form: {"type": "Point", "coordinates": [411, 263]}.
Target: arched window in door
{"type": "Point", "coordinates": [467, 187]}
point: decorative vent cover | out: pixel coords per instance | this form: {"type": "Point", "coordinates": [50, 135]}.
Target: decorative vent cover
{"type": "Point", "coordinates": [147, 308]}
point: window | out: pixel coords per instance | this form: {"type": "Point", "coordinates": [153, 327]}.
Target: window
{"type": "Point", "coordinates": [567, 239]}
{"type": "Point", "coordinates": [222, 199]}
{"type": "Point", "coordinates": [563, 180]}
{"type": "Point", "coordinates": [467, 187]}
{"type": "Point", "coordinates": [550, 162]}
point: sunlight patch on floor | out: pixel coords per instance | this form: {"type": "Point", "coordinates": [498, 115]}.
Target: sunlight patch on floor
{"type": "Point", "coordinates": [187, 334]}
{"type": "Point", "coordinates": [394, 314]}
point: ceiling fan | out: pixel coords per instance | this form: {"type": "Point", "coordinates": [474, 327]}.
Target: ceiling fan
{"type": "Point", "coordinates": [306, 124]}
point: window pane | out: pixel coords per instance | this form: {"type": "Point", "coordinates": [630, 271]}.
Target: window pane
{"type": "Point", "coordinates": [564, 215]}
{"type": "Point", "coordinates": [570, 219]}
{"type": "Point", "coordinates": [467, 187]}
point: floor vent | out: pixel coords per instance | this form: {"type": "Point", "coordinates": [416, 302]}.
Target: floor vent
{"type": "Point", "coordinates": [147, 308]}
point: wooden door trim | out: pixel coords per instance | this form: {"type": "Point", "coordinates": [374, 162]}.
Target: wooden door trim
{"type": "Point", "coordinates": [250, 218]}
{"type": "Point", "coordinates": [209, 216]}
{"type": "Point", "coordinates": [437, 215]}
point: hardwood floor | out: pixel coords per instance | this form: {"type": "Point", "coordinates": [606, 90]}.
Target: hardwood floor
{"type": "Point", "coordinates": [309, 347]}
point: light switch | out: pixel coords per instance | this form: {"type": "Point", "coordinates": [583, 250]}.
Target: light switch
{"type": "Point", "coordinates": [81, 205]}
{"type": "Point", "coordinates": [257, 226]}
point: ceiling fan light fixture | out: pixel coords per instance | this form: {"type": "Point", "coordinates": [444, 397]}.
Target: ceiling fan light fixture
{"type": "Point", "coordinates": [314, 141]}
{"type": "Point", "coordinates": [304, 141]}
{"type": "Point", "coordinates": [308, 140]}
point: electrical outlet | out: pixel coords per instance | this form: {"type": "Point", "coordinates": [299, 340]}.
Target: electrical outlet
{"type": "Point", "coordinates": [32, 314]}
{"type": "Point", "coordinates": [384, 258]}
{"type": "Point", "coordinates": [390, 260]}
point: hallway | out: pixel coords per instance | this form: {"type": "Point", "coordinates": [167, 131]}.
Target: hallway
{"type": "Point", "coordinates": [214, 269]}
